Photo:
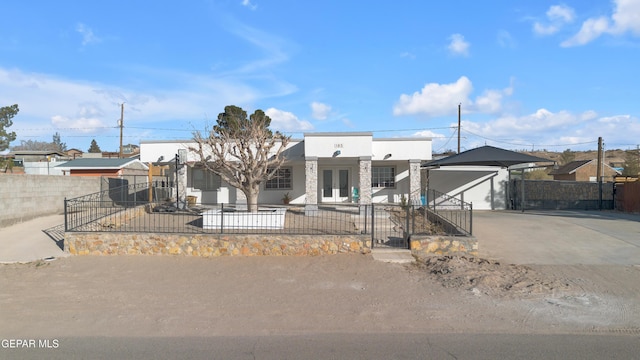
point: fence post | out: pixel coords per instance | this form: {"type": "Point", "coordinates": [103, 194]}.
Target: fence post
{"type": "Point", "coordinates": [406, 223]}
{"type": "Point", "coordinates": [366, 208]}
{"type": "Point", "coordinates": [222, 218]}
{"type": "Point", "coordinates": [66, 224]}
{"type": "Point", "coordinates": [373, 226]}
{"type": "Point", "coordinates": [471, 218]}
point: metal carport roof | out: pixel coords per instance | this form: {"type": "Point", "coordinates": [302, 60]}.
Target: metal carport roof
{"type": "Point", "coordinates": [486, 156]}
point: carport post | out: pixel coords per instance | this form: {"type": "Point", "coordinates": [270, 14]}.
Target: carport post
{"type": "Point", "coordinates": [522, 199]}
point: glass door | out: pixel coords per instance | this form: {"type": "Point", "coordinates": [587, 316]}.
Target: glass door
{"type": "Point", "coordinates": [335, 185]}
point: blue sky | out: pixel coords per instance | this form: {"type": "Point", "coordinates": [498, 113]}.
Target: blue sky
{"type": "Point", "coordinates": [528, 74]}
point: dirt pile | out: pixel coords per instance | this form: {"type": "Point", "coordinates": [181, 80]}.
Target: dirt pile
{"type": "Point", "coordinates": [488, 277]}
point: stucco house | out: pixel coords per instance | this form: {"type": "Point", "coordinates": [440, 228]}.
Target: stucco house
{"type": "Point", "coordinates": [321, 168]}
{"type": "Point", "coordinates": [103, 167]}
{"type": "Point", "coordinates": [583, 170]}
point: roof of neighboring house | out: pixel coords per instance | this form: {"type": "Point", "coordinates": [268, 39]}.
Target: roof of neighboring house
{"type": "Point", "coordinates": [573, 166]}
{"type": "Point", "coordinates": [36, 153]}
{"type": "Point", "coordinates": [570, 167]}
{"type": "Point", "coordinates": [487, 156]}
{"type": "Point", "coordinates": [99, 163]}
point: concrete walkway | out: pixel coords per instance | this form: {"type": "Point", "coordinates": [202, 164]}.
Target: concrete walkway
{"type": "Point", "coordinates": [32, 240]}
{"type": "Point", "coordinates": [558, 237]}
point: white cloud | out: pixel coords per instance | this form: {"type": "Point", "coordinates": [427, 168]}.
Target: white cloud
{"type": "Point", "coordinates": [320, 111]}
{"type": "Point", "coordinates": [442, 99]}
{"type": "Point", "coordinates": [407, 55]}
{"type": "Point", "coordinates": [287, 121]}
{"type": "Point", "coordinates": [435, 99]}
{"type": "Point", "coordinates": [553, 130]}
{"type": "Point", "coordinates": [427, 133]}
{"type": "Point", "coordinates": [624, 19]}
{"type": "Point", "coordinates": [561, 13]}
{"type": "Point", "coordinates": [557, 17]}
{"type": "Point", "coordinates": [248, 4]}
{"type": "Point", "coordinates": [88, 37]}
{"type": "Point", "coordinates": [506, 40]}
{"type": "Point", "coordinates": [77, 108]}
{"type": "Point", "coordinates": [458, 46]}
{"type": "Point", "coordinates": [590, 30]}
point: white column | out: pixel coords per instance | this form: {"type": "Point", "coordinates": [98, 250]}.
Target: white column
{"type": "Point", "coordinates": [311, 186]}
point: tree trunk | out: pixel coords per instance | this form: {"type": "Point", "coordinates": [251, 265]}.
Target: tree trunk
{"type": "Point", "coordinates": [252, 201]}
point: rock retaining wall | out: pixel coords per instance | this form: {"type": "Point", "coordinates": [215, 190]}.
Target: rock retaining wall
{"type": "Point", "coordinates": [423, 246]}
{"type": "Point", "coordinates": [210, 245]}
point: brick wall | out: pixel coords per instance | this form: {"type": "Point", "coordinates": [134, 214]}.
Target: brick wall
{"type": "Point", "coordinates": [24, 197]}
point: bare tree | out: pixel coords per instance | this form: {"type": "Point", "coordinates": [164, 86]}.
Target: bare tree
{"type": "Point", "coordinates": [243, 151]}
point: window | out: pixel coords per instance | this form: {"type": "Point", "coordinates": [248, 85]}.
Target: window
{"type": "Point", "coordinates": [383, 176]}
{"type": "Point", "coordinates": [202, 179]}
{"type": "Point", "coordinates": [282, 180]}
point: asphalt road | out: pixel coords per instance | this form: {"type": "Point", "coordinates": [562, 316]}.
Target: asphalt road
{"type": "Point", "coordinates": [342, 346]}
{"type": "Point", "coordinates": [558, 237]}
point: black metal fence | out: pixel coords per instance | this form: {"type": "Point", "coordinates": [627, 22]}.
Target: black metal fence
{"type": "Point", "coordinates": [128, 209]}
{"type": "Point", "coordinates": [453, 214]}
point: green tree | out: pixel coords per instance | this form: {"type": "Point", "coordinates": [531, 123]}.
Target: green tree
{"type": "Point", "coordinates": [6, 114]}
{"type": "Point", "coordinates": [631, 163]}
{"type": "Point", "coordinates": [567, 156]}
{"type": "Point", "coordinates": [57, 143]}
{"type": "Point", "coordinates": [94, 148]}
{"type": "Point", "coordinates": [243, 151]}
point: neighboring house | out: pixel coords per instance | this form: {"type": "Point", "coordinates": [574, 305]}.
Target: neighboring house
{"type": "Point", "coordinates": [23, 156]}
{"type": "Point", "coordinates": [320, 168]}
{"type": "Point", "coordinates": [583, 170]}
{"type": "Point", "coordinates": [74, 153]}
{"type": "Point", "coordinates": [130, 149]}
{"type": "Point", "coordinates": [103, 167]}
{"type": "Point", "coordinates": [479, 176]}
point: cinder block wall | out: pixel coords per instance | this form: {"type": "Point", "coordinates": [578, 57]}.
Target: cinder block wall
{"type": "Point", "coordinates": [24, 197]}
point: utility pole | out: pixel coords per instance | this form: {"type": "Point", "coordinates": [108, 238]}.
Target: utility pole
{"type": "Point", "coordinates": [599, 173]}
{"type": "Point", "coordinates": [600, 164]}
{"type": "Point", "coordinates": [121, 123]}
{"type": "Point", "coordinates": [459, 105]}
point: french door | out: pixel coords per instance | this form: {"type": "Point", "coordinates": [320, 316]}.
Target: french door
{"type": "Point", "coordinates": [335, 185]}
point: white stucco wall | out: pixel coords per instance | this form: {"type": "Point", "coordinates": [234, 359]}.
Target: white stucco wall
{"type": "Point", "coordinates": [325, 145]}
{"type": "Point", "coordinates": [402, 149]}
{"type": "Point", "coordinates": [472, 184]}
{"type": "Point", "coordinates": [393, 195]}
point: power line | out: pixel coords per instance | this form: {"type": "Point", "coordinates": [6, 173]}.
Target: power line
{"type": "Point", "coordinates": [527, 144]}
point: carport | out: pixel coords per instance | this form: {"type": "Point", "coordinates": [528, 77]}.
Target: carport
{"type": "Point", "coordinates": [479, 176]}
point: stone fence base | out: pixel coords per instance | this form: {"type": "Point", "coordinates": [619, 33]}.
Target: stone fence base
{"type": "Point", "coordinates": [210, 245]}
{"type": "Point", "coordinates": [424, 246]}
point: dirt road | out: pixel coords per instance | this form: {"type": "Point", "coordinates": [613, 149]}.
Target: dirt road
{"type": "Point", "coordinates": [170, 296]}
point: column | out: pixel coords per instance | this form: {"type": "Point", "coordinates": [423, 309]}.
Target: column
{"type": "Point", "coordinates": [311, 186]}
{"type": "Point", "coordinates": [414, 182]}
{"type": "Point", "coordinates": [241, 200]}
{"type": "Point", "coordinates": [365, 181]}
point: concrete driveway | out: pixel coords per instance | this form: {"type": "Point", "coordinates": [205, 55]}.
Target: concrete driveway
{"type": "Point", "coordinates": [32, 240]}
{"type": "Point", "coordinates": [558, 237]}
